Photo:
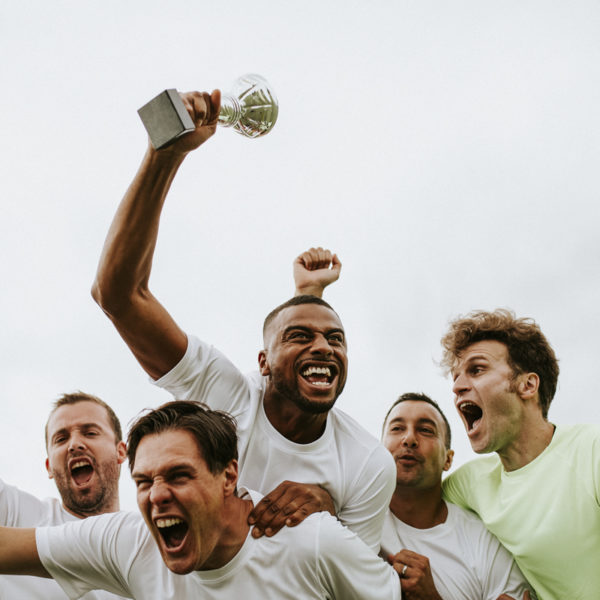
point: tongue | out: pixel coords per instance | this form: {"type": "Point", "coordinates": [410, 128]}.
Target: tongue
{"type": "Point", "coordinates": [174, 535]}
{"type": "Point", "coordinates": [82, 475]}
{"type": "Point", "coordinates": [317, 378]}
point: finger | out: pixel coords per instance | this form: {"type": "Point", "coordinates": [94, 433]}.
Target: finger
{"type": "Point", "coordinates": [196, 105]}
{"type": "Point", "coordinates": [268, 503]}
{"type": "Point", "coordinates": [215, 103]}
{"type": "Point", "coordinates": [336, 264]}
{"type": "Point", "coordinates": [306, 260]}
{"type": "Point", "coordinates": [324, 261]}
{"type": "Point", "coordinates": [290, 509]}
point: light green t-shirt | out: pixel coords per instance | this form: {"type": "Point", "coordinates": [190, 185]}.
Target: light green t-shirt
{"type": "Point", "coordinates": [547, 513]}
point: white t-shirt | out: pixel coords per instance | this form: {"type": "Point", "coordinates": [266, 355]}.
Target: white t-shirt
{"type": "Point", "coordinates": [319, 558]}
{"type": "Point", "coordinates": [467, 562]}
{"type": "Point", "coordinates": [20, 509]}
{"type": "Point", "coordinates": [346, 460]}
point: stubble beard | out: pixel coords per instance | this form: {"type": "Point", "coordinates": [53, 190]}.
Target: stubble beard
{"type": "Point", "coordinates": [292, 393]}
{"type": "Point", "coordinates": [93, 501]}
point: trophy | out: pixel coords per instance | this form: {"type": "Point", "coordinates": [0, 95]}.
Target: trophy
{"type": "Point", "coordinates": [251, 108]}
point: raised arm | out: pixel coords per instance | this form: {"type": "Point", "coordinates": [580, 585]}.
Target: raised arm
{"type": "Point", "coordinates": [18, 553]}
{"type": "Point", "coordinates": [121, 285]}
{"type": "Point", "coordinates": [314, 270]}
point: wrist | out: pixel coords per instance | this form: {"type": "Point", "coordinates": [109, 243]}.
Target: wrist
{"type": "Point", "coordinates": [310, 290]}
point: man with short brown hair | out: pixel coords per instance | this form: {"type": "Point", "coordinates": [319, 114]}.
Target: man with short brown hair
{"type": "Point", "coordinates": [85, 453]}
{"type": "Point", "coordinates": [539, 492]}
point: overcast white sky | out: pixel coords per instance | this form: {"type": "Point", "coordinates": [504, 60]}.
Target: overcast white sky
{"type": "Point", "coordinates": [448, 151]}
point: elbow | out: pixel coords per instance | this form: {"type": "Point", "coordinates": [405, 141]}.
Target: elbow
{"type": "Point", "coordinates": [109, 298]}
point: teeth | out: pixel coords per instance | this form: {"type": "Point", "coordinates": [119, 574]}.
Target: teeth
{"type": "Point", "coordinates": [81, 463]}
{"type": "Point", "coordinates": [317, 371]}
{"type": "Point", "coordinates": [160, 523]}
{"type": "Point", "coordinates": [467, 404]}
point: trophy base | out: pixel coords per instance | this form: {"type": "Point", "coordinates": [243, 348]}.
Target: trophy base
{"type": "Point", "coordinates": [165, 118]}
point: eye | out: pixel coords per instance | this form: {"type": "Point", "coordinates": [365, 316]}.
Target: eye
{"type": "Point", "coordinates": [180, 477]}
{"type": "Point", "coordinates": [428, 430]}
{"type": "Point", "coordinates": [298, 335]}
{"type": "Point", "coordinates": [91, 433]}
{"type": "Point", "coordinates": [142, 484]}
{"type": "Point", "coordinates": [337, 338]}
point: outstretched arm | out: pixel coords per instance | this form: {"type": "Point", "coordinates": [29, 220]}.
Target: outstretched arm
{"type": "Point", "coordinates": [18, 553]}
{"type": "Point", "coordinates": [121, 285]}
{"type": "Point", "coordinates": [314, 270]}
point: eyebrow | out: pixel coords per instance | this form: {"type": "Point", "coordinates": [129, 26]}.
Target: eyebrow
{"type": "Point", "coordinates": [470, 360]}
{"type": "Point", "coordinates": [84, 426]}
{"type": "Point", "coordinates": [310, 330]}
{"type": "Point", "coordinates": [419, 421]}
{"type": "Point", "coordinates": [170, 470]}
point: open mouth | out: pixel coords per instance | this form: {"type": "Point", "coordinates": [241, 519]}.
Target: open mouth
{"type": "Point", "coordinates": [471, 413]}
{"type": "Point", "coordinates": [81, 471]}
{"type": "Point", "coordinates": [319, 375]}
{"type": "Point", "coordinates": [173, 531]}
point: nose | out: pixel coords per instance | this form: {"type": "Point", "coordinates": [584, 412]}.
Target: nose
{"type": "Point", "coordinates": [76, 442]}
{"type": "Point", "coordinates": [409, 438]}
{"type": "Point", "coordinates": [461, 384]}
{"type": "Point", "coordinates": [321, 346]}
{"type": "Point", "coordinates": [160, 493]}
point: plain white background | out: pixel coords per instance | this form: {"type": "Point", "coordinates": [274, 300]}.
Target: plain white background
{"type": "Point", "coordinates": [448, 151]}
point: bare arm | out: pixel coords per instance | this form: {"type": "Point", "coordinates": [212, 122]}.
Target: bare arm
{"type": "Point", "coordinates": [288, 504]}
{"type": "Point", "coordinates": [18, 553]}
{"type": "Point", "coordinates": [314, 270]}
{"type": "Point", "coordinates": [121, 285]}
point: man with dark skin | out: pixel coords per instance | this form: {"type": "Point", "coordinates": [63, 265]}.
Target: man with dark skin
{"type": "Point", "coordinates": [286, 414]}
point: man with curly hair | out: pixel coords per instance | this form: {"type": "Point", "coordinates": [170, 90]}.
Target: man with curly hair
{"type": "Point", "coordinates": [539, 491]}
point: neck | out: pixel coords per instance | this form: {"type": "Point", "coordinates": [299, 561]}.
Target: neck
{"type": "Point", "coordinates": [233, 534]}
{"type": "Point", "coordinates": [418, 508]}
{"type": "Point", "coordinates": [291, 421]}
{"type": "Point", "coordinates": [534, 437]}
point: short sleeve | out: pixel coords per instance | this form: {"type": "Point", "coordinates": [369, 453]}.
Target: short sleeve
{"type": "Point", "coordinates": [94, 553]}
{"type": "Point", "coordinates": [364, 512]}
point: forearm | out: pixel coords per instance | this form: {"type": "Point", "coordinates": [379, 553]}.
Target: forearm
{"type": "Point", "coordinates": [126, 259]}
{"type": "Point", "coordinates": [18, 553]}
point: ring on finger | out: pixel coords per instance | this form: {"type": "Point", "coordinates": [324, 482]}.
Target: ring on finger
{"type": "Point", "coordinates": [403, 572]}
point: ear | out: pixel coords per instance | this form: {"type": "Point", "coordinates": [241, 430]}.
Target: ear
{"type": "Point", "coordinates": [263, 365]}
{"type": "Point", "coordinates": [449, 458]}
{"type": "Point", "coordinates": [230, 477]}
{"type": "Point", "coordinates": [528, 386]}
{"type": "Point", "coordinates": [121, 452]}
{"type": "Point", "coordinates": [50, 476]}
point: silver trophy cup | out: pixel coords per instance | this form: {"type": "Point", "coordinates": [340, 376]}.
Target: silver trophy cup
{"type": "Point", "coordinates": [250, 108]}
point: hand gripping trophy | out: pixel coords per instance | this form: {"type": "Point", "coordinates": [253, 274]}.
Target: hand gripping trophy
{"type": "Point", "coordinates": [250, 107]}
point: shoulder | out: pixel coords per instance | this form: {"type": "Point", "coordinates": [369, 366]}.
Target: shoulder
{"type": "Point", "coordinates": [463, 485]}
{"type": "Point", "coordinates": [581, 435]}
{"type": "Point", "coordinates": [348, 431]}
{"type": "Point", "coordinates": [478, 467]}
{"type": "Point", "coordinates": [22, 509]}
